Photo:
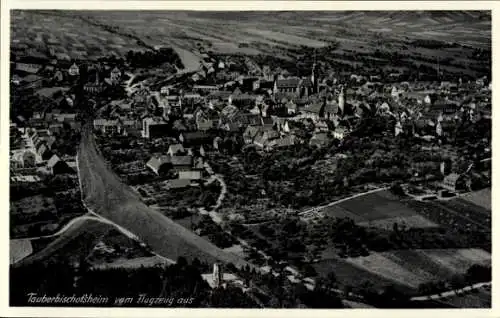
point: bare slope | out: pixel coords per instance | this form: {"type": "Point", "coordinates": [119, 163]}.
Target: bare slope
{"type": "Point", "coordinates": [109, 197]}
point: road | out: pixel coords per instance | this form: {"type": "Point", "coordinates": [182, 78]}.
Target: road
{"type": "Point", "coordinates": [451, 292]}
{"type": "Point", "coordinates": [318, 208]}
{"type": "Point", "coordinates": [108, 197]}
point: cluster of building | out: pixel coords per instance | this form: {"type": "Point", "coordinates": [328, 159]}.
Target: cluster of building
{"type": "Point", "coordinates": [33, 155]}
{"type": "Point", "coordinates": [35, 73]}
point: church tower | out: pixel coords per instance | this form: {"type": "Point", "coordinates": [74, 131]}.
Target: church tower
{"type": "Point", "coordinates": [398, 129]}
{"type": "Point", "coordinates": [341, 99]}
{"type": "Point", "coordinates": [313, 78]}
{"type": "Point", "coordinates": [217, 275]}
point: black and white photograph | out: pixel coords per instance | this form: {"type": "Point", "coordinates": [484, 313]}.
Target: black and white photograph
{"type": "Point", "coordinates": [250, 159]}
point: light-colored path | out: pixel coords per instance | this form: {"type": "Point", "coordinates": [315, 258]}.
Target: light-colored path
{"type": "Point", "coordinates": [319, 208]}
{"type": "Point", "coordinates": [451, 292]}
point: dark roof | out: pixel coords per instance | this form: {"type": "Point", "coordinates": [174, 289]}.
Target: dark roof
{"type": "Point", "coordinates": [331, 107]}
{"type": "Point", "coordinates": [157, 162]}
{"type": "Point", "coordinates": [314, 108]}
{"type": "Point", "coordinates": [178, 183]}
{"type": "Point", "coordinates": [181, 160]}
{"type": "Point", "coordinates": [307, 82]}
{"type": "Point", "coordinates": [288, 83]}
{"type": "Point", "coordinates": [175, 148]}
{"type": "Point", "coordinates": [267, 121]}
{"type": "Point", "coordinates": [251, 131]}
{"type": "Point", "coordinates": [248, 119]}
{"type": "Point", "coordinates": [53, 161]}
{"type": "Point", "coordinates": [195, 136]}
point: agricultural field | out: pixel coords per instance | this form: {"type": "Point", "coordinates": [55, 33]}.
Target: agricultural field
{"type": "Point", "coordinates": [418, 38]}
{"type": "Point", "coordinates": [480, 198]}
{"type": "Point", "coordinates": [379, 209]}
{"type": "Point", "coordinates": [455, 214]}
{"type": "Point", "coordinates": [65, 36]}
{"type": "Point", "coordinates": [350, 275]}
{"type": "Point", "coordinates": [20, 249]}
{"type": "Point", "coordinates": [406, 268]}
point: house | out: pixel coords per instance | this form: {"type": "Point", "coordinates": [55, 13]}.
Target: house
{"type": "Point", "coordinates": [267, 122]}
{"type": "Point", "coordinates": [205, 125]}
{"type": "Point", "coordinates": [243, 99]}
{"type": "Point", "coordinates": [181, 163]}
{"type": "Point", "coordinates": [232, 127]}
{"type": "Point", "coordinates": [248, 119]}
{"type": "Point", "coordinates": [312, 111]}
{"type": "Point", "coordinates": [291, 107]}
{"type": "Point", "coordinates": [205, 88]}
{"type": "Point", "coordinates": [106, 126]}
{"type": "Point", "coordinates": [219, 95]}
{"type": "Point", "coordinates": [178, 184]}
{"type": "Point", "coordinates": [250, 133]}
{"type": "Point", "coordinates": [260, 141]}
{"type": "Point", "coordinates": [190, 174]}
{"type": "Point", "coordinates": [282, 142]}
{"type": "Point", "coordinates": [340, 133]}
{"type": "Point", "coordinates": [453, 182]}
{"type": "Point", "coordinates": [330, 110]}
{"type": "Point", "coordinates": [57, 166]}
{"type": "Point", "coordinates": [94, 88]}
{"type": "Point", "coordinates": [44, 152]}
{"type": "Point", "coordinates": [115, 75]}
{"type": "Point", "coordinates": [289, 85]}
{"type": "Point", "coordinates": [29, 159]}
{"type": "Point", "coordinates": [65, 117]}
{"type": "Point", "coordinates": [320, 126]}
{"type": "Point", "coordinates": [74, 70]}
{"type": "Point", "coordinates": [32, 81]}
{"type": "Point", "coordinates": [51, 142]}
{"type": "Point", "coordinates": [154, 127]}
{"type": "Point", "coordinates": [196, 138]}
{"type": "Point", "coordinates": [270, 134]}
{"type": "Point", "coordinates": [175, 149]}
{"type": "Point", "coordinates": [28, 67]}
{"type": "Point", "coordinates": [319, 139]}
{"type": "Point", "coordinates": [58, 76]}
{"type": "Point", "coordinates": [159, 164]}
{"type": "Point", "coordinates": [250, 84]}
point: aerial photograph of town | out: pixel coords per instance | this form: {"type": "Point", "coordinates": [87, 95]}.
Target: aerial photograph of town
{"type": "Point", "coordinates": [250, 159]}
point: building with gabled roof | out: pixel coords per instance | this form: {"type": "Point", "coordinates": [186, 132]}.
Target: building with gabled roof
{"type": "Point", "coordinates": [56, 165]}
{"type": "Point", "coordinates": [175, 149]}
{"type": "Point", "coordinates": [159, 164]}
{"type": "Point", "coordinates": [195, 138]}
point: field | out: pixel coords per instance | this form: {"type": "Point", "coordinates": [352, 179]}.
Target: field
{"type": "Point", "coordinates": [406, 269]}
{"type": "Point", "coordinates": [379, 209]}
{"type": "Point", "coordinates": [66, 36]}
{"type": "Point", "coordinates": [480, 198]}
{"type": "Point", "coordinates": [19, 249]}
{"type": "Point", "coordinates": [268, 33]}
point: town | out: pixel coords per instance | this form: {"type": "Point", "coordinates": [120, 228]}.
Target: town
{"type": "Point", "coordinates": [347, 184]}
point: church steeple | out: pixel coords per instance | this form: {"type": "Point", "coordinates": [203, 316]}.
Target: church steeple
{"type": "Point", "coordinates": [313, 79]}
{"type": "Point", "coordinates": [341, 99]}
